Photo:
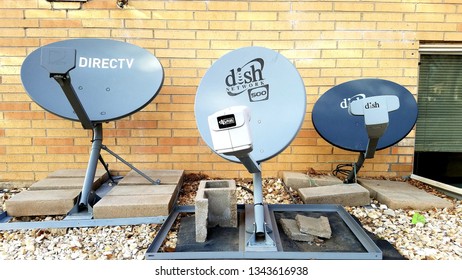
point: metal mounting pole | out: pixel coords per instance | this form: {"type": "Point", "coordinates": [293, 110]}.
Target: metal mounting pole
{"type": "Point", "coordinates": [259, 239]}
{"type": "Point", "coordinates": [258, 205]}
{"type": "Point", "coordinates": [92, 165]}
{"type": "Point", "coordinates": [356, 166]}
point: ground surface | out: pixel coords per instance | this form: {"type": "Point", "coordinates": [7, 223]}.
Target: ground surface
{"type": "Point", "coordinates": [438, 235]}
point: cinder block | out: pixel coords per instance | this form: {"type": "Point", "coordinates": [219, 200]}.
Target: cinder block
{"type": "Point", "coordinates": [41, 202]}
{"type": "Point", "coordinates": [201, 216]}
{"type": "Point", "coordinates": [297, 180]}
{"type": "Point", "coordinates": [216, 205]}
{"type": "Point", "coordinates": [343, 194]}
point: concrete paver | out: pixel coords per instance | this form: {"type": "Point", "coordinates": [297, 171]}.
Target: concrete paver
{"type": "Point", "coordinates": [297, 180]}
{"type": "Point", "coordinates": [343, 194]}
{"type": "Point", "coordinates": [41, 202]}
{"type": "Point", "coordinates": [135, 196]}
{"type": "Point", "coordinates": [125, 206]}
{"type": "Point", "coordinates": [143, 190]}
{"type": "Point", "coordinates": [62, 183]}
{"type": "Point", "coordinates": [54, 195]}
{"type": "Point", "coordinates": [167, 177]}
{"type": "Point", "coordinates": [402, 195]}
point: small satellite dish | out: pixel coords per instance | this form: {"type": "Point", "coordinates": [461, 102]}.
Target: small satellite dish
{"type": "Point", "coordinates": [112, 79]}
{"type": "Point", "coordinates": [364, 115]}
{"type": "Point", "coordinates": [335, 124]}
{"type": "Point", "coordinates": [268, 85]}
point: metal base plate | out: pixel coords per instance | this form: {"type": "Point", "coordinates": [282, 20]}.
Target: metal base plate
{"type": "Point", "coordinates": [349, 240]}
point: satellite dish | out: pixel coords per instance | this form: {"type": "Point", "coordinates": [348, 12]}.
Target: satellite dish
{"type": "Point", "coordinates": [364, 115]}
{"type": "Point", "coordinates": [335, 124]}
{"type": "Point", "coordinates": [249, 107]}
{"type": "Point", "coordinates": [268, 85]}
{"type": "Point", "coordinates": [112, 79]}
{"type": "Point", "coordinates": [92, 81]}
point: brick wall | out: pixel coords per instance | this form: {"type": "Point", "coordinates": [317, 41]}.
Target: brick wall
{"type": "Point", "coordinates": [329, 42]}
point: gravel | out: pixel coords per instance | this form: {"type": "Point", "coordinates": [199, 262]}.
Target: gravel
{"type": "Point", "coordinates": [417, 235]}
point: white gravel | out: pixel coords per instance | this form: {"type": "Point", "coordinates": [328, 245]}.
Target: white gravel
{"type": "Point", "coordinates": [439, 237]}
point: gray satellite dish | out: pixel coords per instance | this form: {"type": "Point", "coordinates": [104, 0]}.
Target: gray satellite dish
{"type": "Point", "coordinates": [92, 81]}
{"type": "Point", "coordinates": [249, 107]}
{"type": "Point", "coordinates": [112, 79]}
{"type": "Point", "coordinates": [265, 82]}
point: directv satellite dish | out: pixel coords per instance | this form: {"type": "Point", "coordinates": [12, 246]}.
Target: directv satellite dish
{"type": "Point", "coordinates": [112, 79]}
{"type": "Point", "coordinates": [249, 107]}
{"type": "Point", "coordinates": [92, 81]}
{"type": "Point", "coordinates": [365, 115]}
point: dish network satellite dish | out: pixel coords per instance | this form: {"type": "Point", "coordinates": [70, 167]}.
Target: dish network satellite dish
{"type": "Point", "coordinates": [249, 107]}
{"type": "Point", "coordinates": [364, 115]}
{"type": "Point", "coordinates": [92, 81]}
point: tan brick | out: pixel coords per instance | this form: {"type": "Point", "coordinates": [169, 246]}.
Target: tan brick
{"type": "Point", "coordinates": [214, 16]}
{"type": "Point", "coordinates": [42, 13]}
{"type": "Point", "coordinates": [132, 33]}
{"type": "Point", "coordinates": [152, 133]}
{"type": "Point", "coordinates": [365, 25]}
{"type": "Point", "coordinates": [12, 32]}
{"type": "Point", "coordinates": [135, 23]}
{"type": "Point", "coordinates": [186, 5]}
{"type": "Point", "coordinates": [185, 141]}
{"type": "Point", "coordinates": [173, 15]}
{"type": "Point", "coordinates": [95, 33]}
{"type": "Point", "coordinates": [49, 141]}
{"type": "Point", "coordinates": [353, 6]}
{"type": "Point", "coordinates": [435, 8]}
{"type": "Point", "coordinates": [227, 5]}
{"type": "Point", "coordinates": [254, 16]}
{"type": "Point", "coordinates": [66, 5]}
{"type": "Point", "coordinates": [25, 150]}
{"type": "Point", "coordinates": [89, 14]}
{"type": "Point", "coordinates": [312, 6]}
{"type": "Point", "coordinates": [407, 7]}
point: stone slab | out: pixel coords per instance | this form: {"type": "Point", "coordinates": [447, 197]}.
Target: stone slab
{"type": "Point", "coordinates": [297, 180]}
{"type": "Point", "coordinates": [402, 195]}
{"type": "Point", "coordinates": [291, 229]}
{"type": "Point", "coordinates": [154, 200]}
{"type": "Point", "coordinates": [343, 194]}
{"type": "Point", "coordinates": [319, 227]}
{"type": "Point", "coordinates": [75, 173]}
{"type": "Point", "coordinates": [143, 190]}
{"type": "Point", "coordinates": [167, 177]}
{"type": "Point", "coordinates": [133, 206]}
{"type": "Point", "coordinates": [63, 184]}
{"type": "Point", "coordinates": [41, 202]}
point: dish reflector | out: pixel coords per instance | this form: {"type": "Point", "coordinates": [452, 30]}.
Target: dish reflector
{"type": "Point", "coordinates": [265, 82]}
{"type": "Point", "coordinates": [112, 79]}
{"type": "Point", "coordinates": [333, 121]}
